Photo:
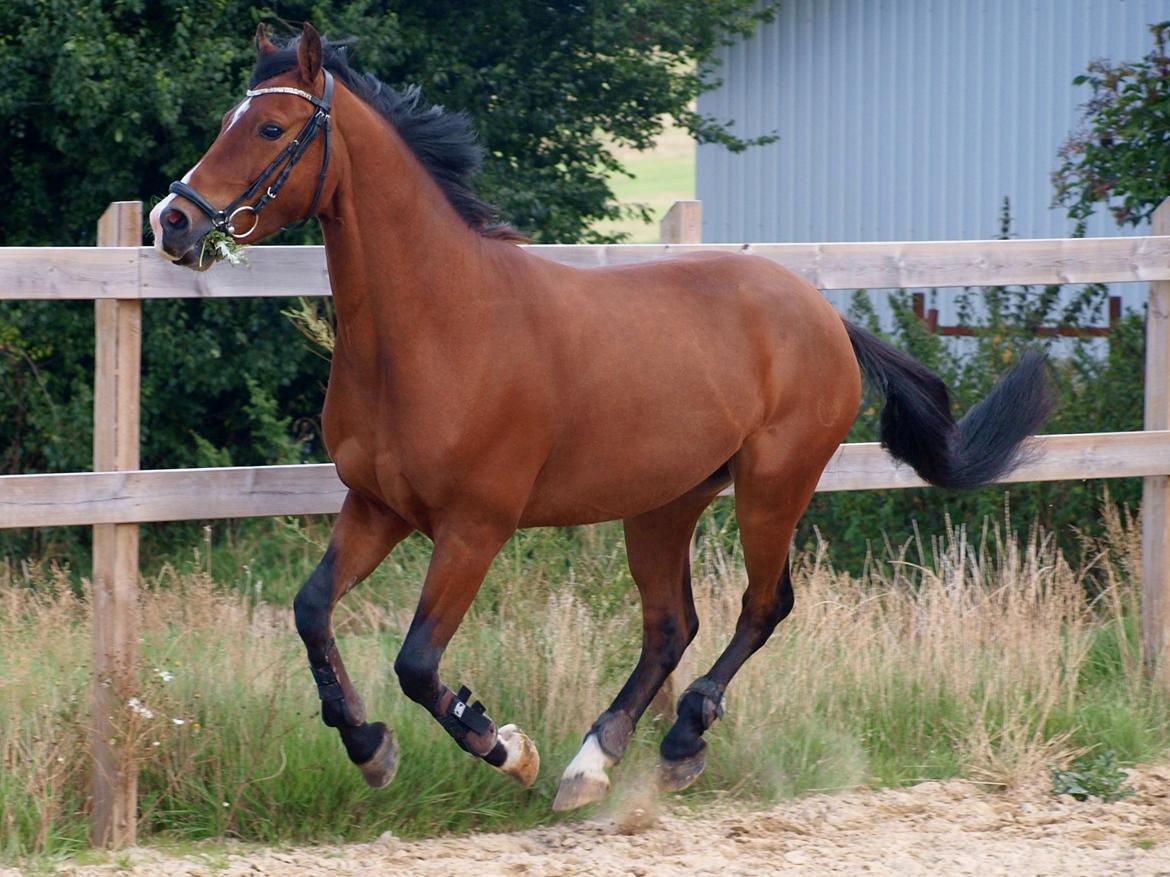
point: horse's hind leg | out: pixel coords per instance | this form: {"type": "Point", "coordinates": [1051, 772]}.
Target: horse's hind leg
{"type": "Point", "coordinates": [362, 537]}
{"type": "Point", "coordinates": [658, 547]}
{"type": "Point", "coordinates": [773, 485]}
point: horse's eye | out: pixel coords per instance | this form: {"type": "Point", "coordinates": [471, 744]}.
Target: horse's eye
{"type": "Point", "coordinates": [271, 131]}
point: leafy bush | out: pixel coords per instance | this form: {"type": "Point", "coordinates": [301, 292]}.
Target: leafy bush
{"type": "Point", "coordinates": [1096, 776]}
{"type": "Point", "coordinates": [1118, 158]}
{"type": "Point", "coordinates": [1095, 393]}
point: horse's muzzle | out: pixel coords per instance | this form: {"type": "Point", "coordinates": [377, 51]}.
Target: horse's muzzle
{"type": "Point", "coordinates": [178, 235]}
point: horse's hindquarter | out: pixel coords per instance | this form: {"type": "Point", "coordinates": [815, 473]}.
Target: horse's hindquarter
{"type": "Point", "coordinates": [666, 368]}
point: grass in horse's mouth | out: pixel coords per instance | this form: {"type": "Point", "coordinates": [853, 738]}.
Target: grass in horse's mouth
{"type": "Point", "coordinates": [221, 247]}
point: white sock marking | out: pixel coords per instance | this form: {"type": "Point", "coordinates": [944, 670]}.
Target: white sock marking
{"type": "Point", "coordinates": [590, 761]}
{"type": "Point", "coordinates": [509, 736]}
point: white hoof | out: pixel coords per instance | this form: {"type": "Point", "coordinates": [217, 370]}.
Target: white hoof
{"type": "Point", "coordinates": [584, 780]}
{"type": "Point", "coordinates": [523, 761]}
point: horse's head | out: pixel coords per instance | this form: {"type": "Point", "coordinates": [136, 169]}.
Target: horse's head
{"type": "Point", "coordinates": [252, 181]}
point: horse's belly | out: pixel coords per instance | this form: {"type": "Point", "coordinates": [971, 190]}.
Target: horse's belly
{"type": "Point", "coordinates": [601, 481]}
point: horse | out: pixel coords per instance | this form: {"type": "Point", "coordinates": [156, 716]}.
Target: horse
{"type": "Point", "coordinates": [477, 388]}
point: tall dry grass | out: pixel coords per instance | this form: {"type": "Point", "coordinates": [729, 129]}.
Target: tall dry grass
{"type": "Point", "coordinates": [989, 658]}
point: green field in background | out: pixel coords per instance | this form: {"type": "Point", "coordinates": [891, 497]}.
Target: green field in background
{"type": "Point", "coordinates": [662, 176]}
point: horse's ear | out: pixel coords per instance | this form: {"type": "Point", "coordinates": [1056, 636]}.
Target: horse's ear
{"type": "Point", "coordinates": [309, 54]}
{"type": "Point", "coordinates": [264, 46]}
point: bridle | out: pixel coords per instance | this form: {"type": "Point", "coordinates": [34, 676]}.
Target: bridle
{"type": "Point", "coordinates": [224, 220]}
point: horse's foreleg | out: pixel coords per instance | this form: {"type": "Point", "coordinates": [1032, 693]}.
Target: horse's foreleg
{"type": "Point", "coordinates": [460, 560]}
{"type": "Point", "coordinates": [658, 547]}
{"type": "Point", "coordinates": [362, 537]}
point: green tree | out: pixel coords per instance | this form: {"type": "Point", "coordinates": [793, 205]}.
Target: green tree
{"type": "Point", "coordinates": [1120, 157]}
{"type": "Point", "coordinates": [107, 101]}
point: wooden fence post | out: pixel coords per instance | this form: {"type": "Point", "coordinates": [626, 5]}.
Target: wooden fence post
{"type": "Point", "coordinates": [1156, 488]}
{"type": "Point", "coordinates": [118, 331]}
{"type": "Point", "coordinates": [682, 224]}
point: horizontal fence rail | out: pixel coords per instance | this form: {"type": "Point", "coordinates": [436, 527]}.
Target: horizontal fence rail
{"type": "Point", "coordinates": [120, 274]}
{"type": "Point", "coordinates": [132, 273]}
{"type": "Point", "coordinates": [259, 491]}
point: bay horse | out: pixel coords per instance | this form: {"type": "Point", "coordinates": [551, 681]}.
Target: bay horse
{"type": "Point", "coordinates": [477, 388]}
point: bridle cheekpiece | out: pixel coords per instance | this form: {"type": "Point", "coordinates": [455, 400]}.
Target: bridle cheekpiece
{"type": "Point", "coordinates": [224, 220]}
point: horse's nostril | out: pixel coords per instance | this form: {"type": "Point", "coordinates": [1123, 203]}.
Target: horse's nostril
{"type": "Point", "coordinates": [176, 219]}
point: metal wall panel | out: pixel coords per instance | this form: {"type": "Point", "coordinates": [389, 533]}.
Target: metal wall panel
{"type": "Point", "coordinates": [908, 119]}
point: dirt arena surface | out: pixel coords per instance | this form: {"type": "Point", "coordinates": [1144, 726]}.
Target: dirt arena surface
{"type": "Point", "coordinates": [933, 828]}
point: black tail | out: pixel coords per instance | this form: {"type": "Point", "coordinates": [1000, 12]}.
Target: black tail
{"type": "Point", "coordinates": [917, 426]}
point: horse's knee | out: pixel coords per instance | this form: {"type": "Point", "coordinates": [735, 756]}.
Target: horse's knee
{"type": "Point", "coordinates": [418, 673]}
{"type": "Point", "coordinates": [671, 640]}
{"type": "Point", "coordinates": [692, 626]}
{"type": "Point", "coordinates": [764, 620]}
{"type": "Point", "coordinates": [312, 617]}
{"type": "Point", "coordinates": [311, 604]}
{"type": "Point", "coordinates": [785, 598]}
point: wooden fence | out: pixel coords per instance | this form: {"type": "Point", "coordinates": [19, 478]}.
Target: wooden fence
{"type": "Point", "coordinates": [118, 495]}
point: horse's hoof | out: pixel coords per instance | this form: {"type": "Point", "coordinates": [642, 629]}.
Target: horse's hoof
{"type": "Point", "coordinates": [383, 764]}
{"type": "Point", "coordinates": [577, 791]}
{"type": "Point", "coordinates": [523, 761]}
{"type": "Point", "coordinates": [674, 776]}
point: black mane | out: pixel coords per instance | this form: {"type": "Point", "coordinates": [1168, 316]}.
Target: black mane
{"type": "Point", "coordinates": [443, 141]}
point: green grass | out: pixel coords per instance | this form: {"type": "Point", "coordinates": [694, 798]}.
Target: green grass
{"type": "Point", "coordinates": [995, 668]}
{"type": "Point", "coordinates": [661, 176]}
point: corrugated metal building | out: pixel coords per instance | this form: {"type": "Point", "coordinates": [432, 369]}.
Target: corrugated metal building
{"type": "Point", "coordinates": [908, 119]}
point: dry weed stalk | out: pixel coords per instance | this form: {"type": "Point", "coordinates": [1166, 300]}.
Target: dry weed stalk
{"type": "Point", "coordinates": [969, 647]}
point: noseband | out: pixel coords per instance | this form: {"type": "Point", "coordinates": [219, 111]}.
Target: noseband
{"type": "Point", "coordinates": [224, 220]}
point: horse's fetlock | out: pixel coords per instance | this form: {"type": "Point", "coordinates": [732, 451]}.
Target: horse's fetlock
{"type": "Point", "coordinates": [613, 730]}
{"type": "Point", "coordinates": [702, 703]}
{"type": "Point", "coordinates": [362, 741]}
{"type": "Point", "coordinates": [683, 740]}
{"type": "Point", "coordinates": [334, 714]}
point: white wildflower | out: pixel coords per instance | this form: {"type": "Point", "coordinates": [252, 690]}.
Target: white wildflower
{"type": "Point", "coordinates": [139, 708]}
{"type": "Point", "coordinates": [179, 721]}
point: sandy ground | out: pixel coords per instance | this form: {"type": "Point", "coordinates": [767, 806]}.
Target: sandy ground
{"type": "Point", "coordinates": [932, 828]}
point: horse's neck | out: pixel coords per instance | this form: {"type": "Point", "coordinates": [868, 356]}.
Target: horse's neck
{"type": "Point", "coordinates": [401, 260]}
